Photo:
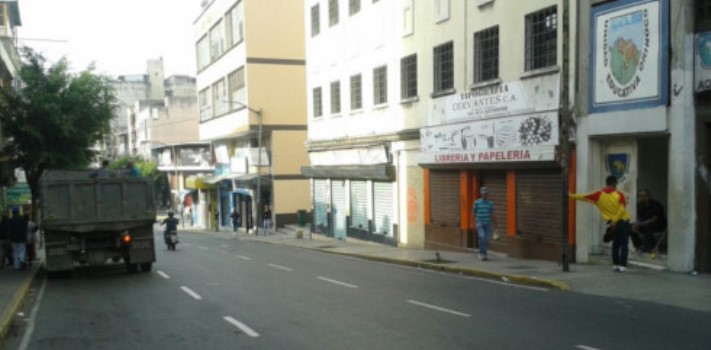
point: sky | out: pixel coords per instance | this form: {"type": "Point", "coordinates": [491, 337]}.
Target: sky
{"type": "Point", "coordinates": [119, 36]}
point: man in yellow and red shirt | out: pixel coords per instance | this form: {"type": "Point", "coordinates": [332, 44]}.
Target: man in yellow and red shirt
{"type": "Point", "coordinates": [612, 205]}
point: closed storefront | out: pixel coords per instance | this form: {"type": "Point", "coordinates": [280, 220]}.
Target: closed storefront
{"type": "Point", "coordinates": [539, 205]}
{"type": "Point", "coordinates": [338, 211]}
{"type": "Point", "coordinates": [444, 198]}
{"type": "Point", "coordinates": [321, 202]}
{"type": "Point", "coordinates": [383, 208]}
{"type": "Point", "coordinates": [359, 205]}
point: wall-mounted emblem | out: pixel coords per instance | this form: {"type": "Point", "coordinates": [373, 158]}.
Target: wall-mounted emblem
{"type": "Point", "coordinates": [618, 164]}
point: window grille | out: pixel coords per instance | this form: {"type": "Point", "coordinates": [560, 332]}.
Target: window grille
{"type": "Point", "coordinates": [353, 7]}
{"type": "Point", "coordinates": [332, 12]}
{"type": "Point", "coordinates": [541, 39]}
{"type": "Point", "coordinates": [408, 74]}
{"type": "Point", "coordinates": [335, 97]}
{"type": "Point", "coordinates": [356, 92]}
{"type": "Point", "coordinates": [318, 110]}
{"type": "Point", "coordinates": [315, 20]}
{"type": "Point", "coordinates": [486, 54]}
{"type": "Point", "coordinates": [444, 67]}
{"type": "Point", "coordinates": [380, 85]}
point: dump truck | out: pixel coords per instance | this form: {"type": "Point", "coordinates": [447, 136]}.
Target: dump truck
{"type": "Point", "coordinates": [93, 221]}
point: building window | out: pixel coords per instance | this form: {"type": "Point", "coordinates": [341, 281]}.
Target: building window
{"type": "Point", "coordinates": [332, 12]}
{"type": "Point", "coordinates": [703, 15]}
{"type": "Point", "coordinates": [441, 10]}
{"type": "Point", "coordinates": [335, 97]}
{"type": "Point", "coordinates": [408, 76]}
{"type": "Point", "coordinates": [356, 92]}
{"type": "Point", "coordinates": [235, 25]}
{"type": "Point", "coordinates": [353, 7]}
{"type": "Point", "coordinates": [203, 53]}
{"type": "Point", "coordinates": [315, 20]}
{"type": "Point", "coordinates": [318, 108]}
{"type": "Point", "coordinates": [380, 85]}
{"type": "Point", "coordinates": [205, 107]}
{"type": "Point", "coordinates": [217, 41]}
{"type": "Point", "coordinates": [444, 67]}
{"type": "Point", "coordinates": [220, 103]}
{"type": "Point", "coordinates": [541, 39]}
{"type": "Point", "coordinates": [237, 88]}
{"type": "Point", "coordinates": [408, 18]}
{"type": "Point", "coordinates": [486, 54]}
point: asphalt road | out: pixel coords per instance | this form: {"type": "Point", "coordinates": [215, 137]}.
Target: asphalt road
{"type": "Point", "coordinates": [215, 293]}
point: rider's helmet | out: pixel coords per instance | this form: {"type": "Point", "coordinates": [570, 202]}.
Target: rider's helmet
{"type": "Point", "coordinates": [170, 214]}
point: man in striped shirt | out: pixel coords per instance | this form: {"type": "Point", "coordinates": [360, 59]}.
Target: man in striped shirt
{"type": "Point", "coordinates": [483, 215]}
{"type": "Point", "coordinates": [611, 204]}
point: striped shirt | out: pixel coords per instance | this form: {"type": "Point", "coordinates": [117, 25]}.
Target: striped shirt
{"type": "Point", "coordinates": [483, 210]}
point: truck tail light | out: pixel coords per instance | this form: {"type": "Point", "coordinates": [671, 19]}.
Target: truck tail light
{"type": "Point", "coordinates": [126, 239]}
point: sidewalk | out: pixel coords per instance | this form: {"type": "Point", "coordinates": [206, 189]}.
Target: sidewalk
{"type": "Point", "coordinates": [14, 286]}
{"type": "Point", "coordinates": [638, 283]}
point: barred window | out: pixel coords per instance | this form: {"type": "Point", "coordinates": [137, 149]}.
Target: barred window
{"type": "Point", "coordinates": [205, 105]}
{"type": "Point", "coordinates": [315, 20]}
{"type": "Point", "coordinates": [236, 85]}
{"type": "Point", "coordinates": [332, 12]}
{"type": "Point", "coordinates": [353, 7]}
{"type": "Point", "coordinates": [408, 76]}
{"type": "Point", "coordinates": [217, 41]}
{"type": "Point", "coordinates": [219, 97]}
{"type": "Point", "coordinates": [356, 92]}
{"type": "Point", "coordinates": [486, 54]}
{"type": "Point", "coordinates": [380, 85]}
{"type": "Point", "coordinates": [335, 97]}
{"type": "Point", "coordinates": [203, 53]}
{"type": "Point", "coordinates": [318, 108]}
{"type": "Point", "coordinates": [541, 39]}
{"type": "Point", "coordinates": [444, 67]}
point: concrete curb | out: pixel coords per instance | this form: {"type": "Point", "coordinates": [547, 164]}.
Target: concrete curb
{"type": "Point", "coordinates": [16, 303]}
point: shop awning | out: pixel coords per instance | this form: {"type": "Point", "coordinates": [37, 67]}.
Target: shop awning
{"type": "Point", "coordinates": [196, 182]}
{"type": "Point", "coordinates": [383, 172]}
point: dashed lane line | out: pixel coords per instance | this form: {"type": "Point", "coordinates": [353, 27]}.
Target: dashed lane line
{"type": "Point", "coordinates": [191, 293]}
{"type": "Point", "coordinates": [280, 267]}
{"type": "Point", "coordinates": [243, 327]}
{"type": "Point", "coordinates": [433, 307]}
{"type": "Point", "coordinates": [163, 274]}
{"type": "Point", "coordinates": [585, 347]}
{"type": "Point", "coordinates": [244, 257]}
{"type": "Point", "coordinates": [338, 282]}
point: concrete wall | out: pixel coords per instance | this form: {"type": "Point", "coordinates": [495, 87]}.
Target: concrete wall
{"type": "Point", "coordinates": [274, 29]}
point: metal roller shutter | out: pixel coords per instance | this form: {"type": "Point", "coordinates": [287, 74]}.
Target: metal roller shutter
{"type": "Point", "coordinates": [444, 197]}
{"type": "Point", "coordinates": [359, 205]}
{"type": "Point", "coordinates": [496, 183]}
{"type": "Point", "coordinates": [321, 203]}
{"type": "Point", "coordinates": [383, 208]}
{"type": "Point", "coordinates": [338, 198]}
{"type": "Point", "coordinates": [538, 204]}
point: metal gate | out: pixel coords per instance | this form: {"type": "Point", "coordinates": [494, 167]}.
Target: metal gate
{"type": "Point", "coordinates": [444, 198]}
{"type": "Point", "coordinates": [383, 208]}
{"type": "Point", "coordinates": [538, 205]}
{"type": "Point", "coordinates": [339, 206]}
{"type": "Point", "coordinates": [359, 205]}
{"type": "Point", "coordinates": [321, 205]}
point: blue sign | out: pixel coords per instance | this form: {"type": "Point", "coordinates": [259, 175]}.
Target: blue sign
{"type": "Point", "coordinates": [618, 164]}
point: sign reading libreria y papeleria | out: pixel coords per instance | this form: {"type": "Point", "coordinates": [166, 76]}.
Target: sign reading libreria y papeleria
{"type": "Point", "coordinates": [628, 55]}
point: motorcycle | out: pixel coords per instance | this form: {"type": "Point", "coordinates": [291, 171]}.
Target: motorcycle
{"type": "Point", "coordinates": [171, 239]}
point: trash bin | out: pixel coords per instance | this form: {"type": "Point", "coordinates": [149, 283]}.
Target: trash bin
{"type": "Point", "coordinates": [301, 218]}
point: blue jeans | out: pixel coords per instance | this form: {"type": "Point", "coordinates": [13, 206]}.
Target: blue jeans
{"type": "Point", "coordinates": [484, 231]}
{"type": "Point", "coordinates": [18, 252]}
{"type": "Point", "coordinates": [620, 243]}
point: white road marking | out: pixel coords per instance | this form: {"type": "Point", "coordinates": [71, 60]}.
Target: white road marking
{"type": "Point", "coordinates": [244, 257]}
{"type": "Point", "coordinates": [31, 325]}
{"type": "Point", "coordinates": [433, 307]}
{"type": "Point", "coordinates": [243, 327]}
{"type": "Point", "coordinates": [280, 267]}
{"type": "Point", "coordinates": [337, 282]}
{"type": "Point", "coordinates": [163, 274]}
{"type": "Point", "coordinates": [191, 293]}
{"type": "Point", "coordinates": [585, 347]}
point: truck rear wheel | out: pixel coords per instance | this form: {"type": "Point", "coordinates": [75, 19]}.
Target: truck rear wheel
{"type": "Point", "coordinates": [146, 267]}
{"type": "Point", "coordinates": [132, 268]}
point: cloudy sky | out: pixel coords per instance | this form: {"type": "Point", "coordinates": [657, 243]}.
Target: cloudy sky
{"type": "Point", "coordinates": [118, 35]}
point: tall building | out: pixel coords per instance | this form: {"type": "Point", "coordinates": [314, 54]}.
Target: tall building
{"type": "Point", "coordinates": [251, 93]}
{"type": "Point", "coordinates": [10, 65]}
{"type": "Point", "coordinates": [413, 106]}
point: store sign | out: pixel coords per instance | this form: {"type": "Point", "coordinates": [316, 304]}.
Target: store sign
{"type": "Point", "coordinates": [19, 194]}
{"type": "Point", "coordinates": [530, 137]}
{"type": "Point", "coordinates": [629, 64]}
{"type": "Point", "coordinates": [702, 71]}
{"type": "Point", "coordinates": [507, 99]}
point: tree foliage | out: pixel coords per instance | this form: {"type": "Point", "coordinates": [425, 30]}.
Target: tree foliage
{"type": "Point", "coordinates": [55, 118]}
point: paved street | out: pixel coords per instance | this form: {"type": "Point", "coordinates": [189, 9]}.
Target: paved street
{"type": "Point", "coordinates": [221, 293]}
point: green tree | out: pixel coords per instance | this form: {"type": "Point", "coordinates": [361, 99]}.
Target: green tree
{"type": "Point", "coordinates": [55, 118]}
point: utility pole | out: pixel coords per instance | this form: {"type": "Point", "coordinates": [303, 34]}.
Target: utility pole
{"type": "Point", "coordinates": [565, 116]}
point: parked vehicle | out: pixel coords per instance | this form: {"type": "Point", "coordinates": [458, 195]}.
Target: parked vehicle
{"type": "Point", "coordinates": [95, 220]}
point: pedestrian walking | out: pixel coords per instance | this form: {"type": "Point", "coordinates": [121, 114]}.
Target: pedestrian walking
{"type": "Point", "coordinates": [267, 218]}
{"type": "Point", "coordinates": [18, 237]}
{"type": "Point", "coordinates": [217, 220]}
{"type": "Point", "coordinates": [235, 219]}
{"type": "Point", "coordinates": [32, 229]}
{"type": "Point", "coordinates": [103, 171]}
{"type": "Point", "coordinates": [612, 205]}
{"type": "Point", "coordinates": [483, 215]}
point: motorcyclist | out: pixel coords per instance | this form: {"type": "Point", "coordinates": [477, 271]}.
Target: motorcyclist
{"type": "Point", "coordinates": [171, 225]}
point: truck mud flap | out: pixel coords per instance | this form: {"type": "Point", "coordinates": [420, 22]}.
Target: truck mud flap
{"type": "Point", "coordinates": [58, 258]}
{"type": "Point", "coordinates": [142, 251]}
